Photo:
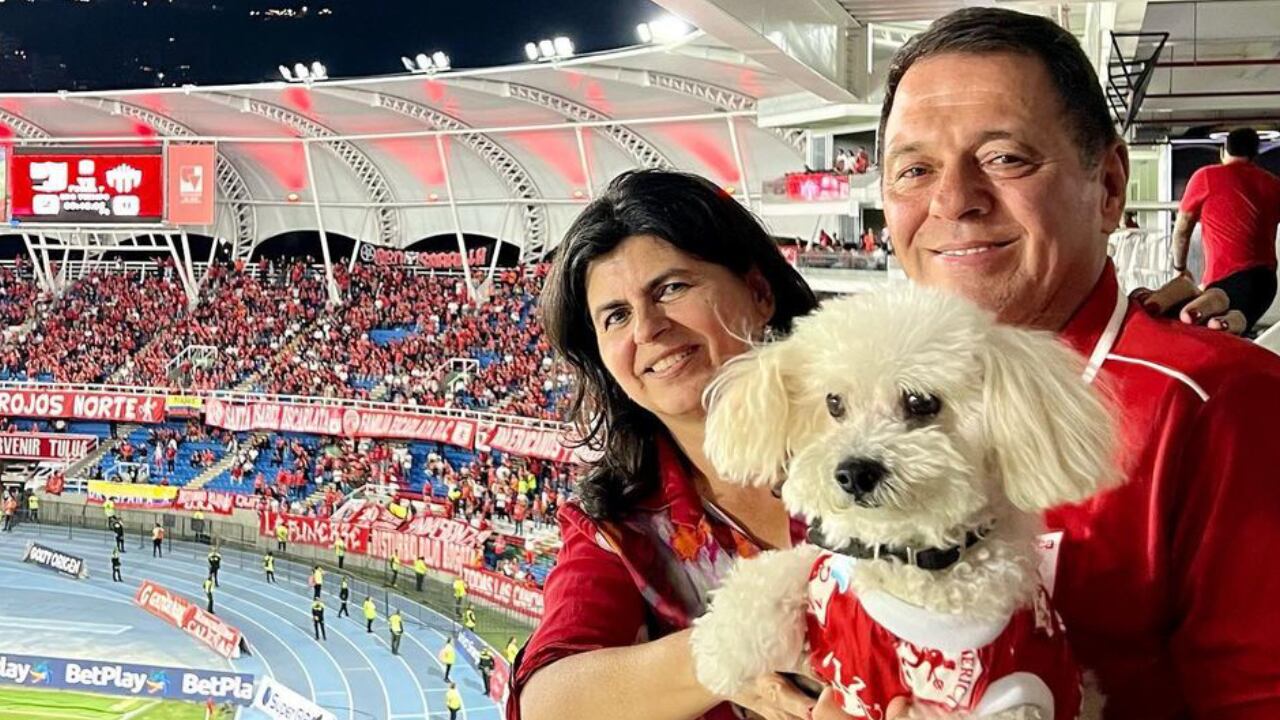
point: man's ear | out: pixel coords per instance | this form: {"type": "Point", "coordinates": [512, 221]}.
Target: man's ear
{"type": "Point", "coordinates": [1113, 170]}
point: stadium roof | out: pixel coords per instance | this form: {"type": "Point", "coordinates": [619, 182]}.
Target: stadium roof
{"type": "Point", "coordinates": [385, 151]}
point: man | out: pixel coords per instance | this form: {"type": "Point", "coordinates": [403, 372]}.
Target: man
{"type": "Point", "coordinates": [512, 649]}
{"type": "Point", "coordinates": [109, 508]}
{"type": "Point", "coordinates": [393, 565]}
{"type": "Point", "coordinates": [33, 508]}
{"type": "Point", "coordinates": [115, 565]}
{"type": "Point", "coordinates": [396, 623]}
{"type": "Point", "coordinates": [419, 572]}
{"type": "Point", "coordinates": [269, 566]}
{"type": "Point", "coordinates": [117, 527]}
{"type": "Point", "coordinates": [453, 700]}
{"type": "Point", "coordinates": [317, 618]}
{"type": "Point", "coordinates": [208, 593]}
{"type": "Point", "coordinates": [215, 564]}
{"type": "Point", "coordinates": [1238, 205]}
{"type": "Point", "coordinates": [282, 537]}
{"type": "Point", "coordinates": [448, 656]}
{"type": "Point", "coordinates": [157, 541]}
{"type": "Point", "coordinates": [370, 614]}
{"type": "Point", "coordinates": [10, 507]}
{"type": "Point", "coordinates": [344, 593]}
{"type": "Point", "coordinates": [459, 594]}
{"type": "Point", "coordinates": [485, 665]}
{"type": "Point", "coordinates": [469, 618]}
{"type": "Point", "coordinates": [197, 525]}
{"type": "Point", "coordinates": [317, 581]}
{"type": "Point", "coordinates": [340, 549]}
{"type": "Point", "coordinates": [1002, 178]}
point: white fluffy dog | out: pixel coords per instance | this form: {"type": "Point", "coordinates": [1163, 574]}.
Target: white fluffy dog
{"type": "Point", "coordinates": [920, 440]}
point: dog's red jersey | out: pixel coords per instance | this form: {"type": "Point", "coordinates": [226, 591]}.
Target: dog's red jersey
{"type": "Point", "coordinates": [875, 648]}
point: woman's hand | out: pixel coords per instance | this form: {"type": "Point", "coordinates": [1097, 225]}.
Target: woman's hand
{"type": "Point", "coordinates": [773, 697]}
{"type": "Point", "coordinates": [828, 708]}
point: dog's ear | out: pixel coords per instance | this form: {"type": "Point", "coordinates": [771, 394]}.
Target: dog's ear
{"type": "Point", "coordinates": [748, 410]}
{"type": "Point", "coordinates": [1052, 434]}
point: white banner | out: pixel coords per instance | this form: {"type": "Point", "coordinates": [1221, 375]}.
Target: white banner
{"type": "Point", "coordinates": [281, 703]}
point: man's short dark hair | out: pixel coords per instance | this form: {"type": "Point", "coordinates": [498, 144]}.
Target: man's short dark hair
{"type": "Point", "coordinates": [995, 30]}
{"type": "Point", "coordinates": [1242, 143]}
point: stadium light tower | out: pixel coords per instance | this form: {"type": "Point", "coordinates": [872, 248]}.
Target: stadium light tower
{"type": "Point", "coordinates": [424, 63]}
{"type": "Point", "coordinates": [549, 49]}
{"type": "Point", "coordinates": [665, 29]}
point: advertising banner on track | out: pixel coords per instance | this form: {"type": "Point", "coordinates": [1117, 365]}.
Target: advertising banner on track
{"type": "Point", "coordinates": [186, 616]}
{"type": "Point", "coordinates": [315, 531]}
{"type": "Point", "coordinates": [281, 703]}
{"type": "Point", "coordinates": [502, 590]}
{"type": "Point", "coordinates": [46, 446]}
{"type": "Point", "coordinates": [339, 421]}
{"type": "Point", "coordinates": [55, 560]}
{"type": "Point", "coordinates": [135, 495]}
{"type": "Point", "coordinates": [80, 405]}
{"type": "Point", "coordinates": [81, 185]}
{"type": "Point", "coordinates": [109, 678]}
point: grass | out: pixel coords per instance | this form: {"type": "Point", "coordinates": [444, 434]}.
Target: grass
{"type": "Point", "coordinates": [39, 704]}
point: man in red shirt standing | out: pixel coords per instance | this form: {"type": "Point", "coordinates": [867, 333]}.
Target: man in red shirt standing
{"type": "Point", "coordinates": [1237, 204]}
{"type": "Point", "coordinates": [1003, 177]}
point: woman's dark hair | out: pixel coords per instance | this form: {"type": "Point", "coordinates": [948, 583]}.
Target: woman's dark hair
{"type": "Point", "coordinates": [995, 30]}
{"type": "Point", "coordinates": [697, 218]}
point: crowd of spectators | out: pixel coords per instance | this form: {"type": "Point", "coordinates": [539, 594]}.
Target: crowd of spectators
{"type": "Point", "coordinates": [18, 294]}
{"type": "Point", "coordinates": [97, 324]}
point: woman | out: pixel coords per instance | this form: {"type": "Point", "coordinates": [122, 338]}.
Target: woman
{"type": "Point", "coordinates": [659, 282]}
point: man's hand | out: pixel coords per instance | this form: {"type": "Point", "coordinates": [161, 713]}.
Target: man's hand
{"type": "Point", "coordinates": [1210, 308]}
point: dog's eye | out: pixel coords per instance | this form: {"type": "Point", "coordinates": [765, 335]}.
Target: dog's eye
{"type": "Point", "coordinates": [921, 405]}
{"type": "Point", "coordinates": [835, 405]}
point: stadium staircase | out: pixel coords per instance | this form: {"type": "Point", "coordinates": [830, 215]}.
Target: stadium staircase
{"type": "Point", "coordinates": [223, 467]}
{"type": "Point", "coordinates": [248, 384]}
{"type": "Point", "coordinates": [83, 466]}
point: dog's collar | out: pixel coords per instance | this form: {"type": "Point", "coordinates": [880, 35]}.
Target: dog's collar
{"type": "Point", "coordinates": [925, 559]}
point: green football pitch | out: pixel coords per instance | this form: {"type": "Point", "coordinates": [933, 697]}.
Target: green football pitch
{"type": "Point", "coordinates": [29, 704]}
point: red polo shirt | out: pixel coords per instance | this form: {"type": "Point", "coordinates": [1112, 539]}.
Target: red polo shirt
{"type": "Point", "coordinates": [1239, 207]}
{"type": "Point", "coordinates": [1169, 584]}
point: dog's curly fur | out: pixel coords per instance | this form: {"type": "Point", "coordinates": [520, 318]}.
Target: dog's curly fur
{"type": "Point", "coordinates": [1018, 432]}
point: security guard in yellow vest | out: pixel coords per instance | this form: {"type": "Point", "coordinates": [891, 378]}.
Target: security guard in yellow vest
{"type": "Point", "coordinates": [340, 549]}
{"type": "Point", "coordinates": [469, 618]}
{"type": "Point", "coordinates": [33, 508]}
{"type": "Point", "coordinates": [215, 564]}
{"type": "Point", "coordinates": [208, 592]}
{"type": "Point", "coordinates": [317, 581]}
{"type": "Point", "coordinates": [394, 566]}
{"type": "Point", "coordinates": [459, 592]}
{"type": "Point", "coordinates": [282, 538]}
{"type": "Point", "coordinates": [419, 572]}
{"type": "Point", "coordinates": [370, 614]}
{"type": "Point", "coordinates": [397, 630]}
{"type": "Point", "coordinates": [109, 507]}
{"type": "Point", "coordinates": [448, 656]}
{"type": "Point", "coordinates": [485, 666]}
{"type": "Point", "coordinates": [317, 619]}
{"type": "Point", "coordinates": [512, 649]}
{"type": "Point", "coordinates": [269, 565]}
{"type": "Point", "coordinates": [453, 700]}
{"type": "Point", "coordinates": [197, 525]}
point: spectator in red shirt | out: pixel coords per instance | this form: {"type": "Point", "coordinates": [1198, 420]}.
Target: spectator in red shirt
{"type": "Point", "coordinates": [998, 139]}
{"type": "Point", "coordinates": [1237, 204]}
{"type": "Point", "coordinates": [655, 286]}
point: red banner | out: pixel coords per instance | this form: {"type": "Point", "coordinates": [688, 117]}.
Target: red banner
{"type": "Point", "coordinates": [87, 185]}
{"type": "Point", "coordinates": [183, 614]}
{"type": "Point", "coordinates": [205, 501]}
{"type": "Point", "coordinates": [191, 184]}
{"type": "Point", "coordinates": [315, 531]}
{"type": "Point", "coordinates": [446, 529]}
{"type": "Point", "coordinates": [503, 591]}
{"type": "Point", "coordinates": [349, 422]}
{"type": "Point", "coordinates": [499, 681]}
{"type": "Point", "coordinates": [45, 446]}
{"type": "Point", "coordinates": [432, 260]}
{"type": "Point", "coordinates": [82, 405]}
{"type": "Point", "coordinates": [525, 442]}
{"type": "Point", "coordinates": [437, 554]}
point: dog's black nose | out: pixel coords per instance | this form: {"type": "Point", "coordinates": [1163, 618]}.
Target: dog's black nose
{"type": "Point", "coordinates": [859, 476]}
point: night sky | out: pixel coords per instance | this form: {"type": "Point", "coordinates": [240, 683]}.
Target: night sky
{"type": "Point", "coordinates": [104, 44]}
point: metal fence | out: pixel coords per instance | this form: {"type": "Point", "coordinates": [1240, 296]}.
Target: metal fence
{"type": "Point", "coordinates": [242, 548]}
